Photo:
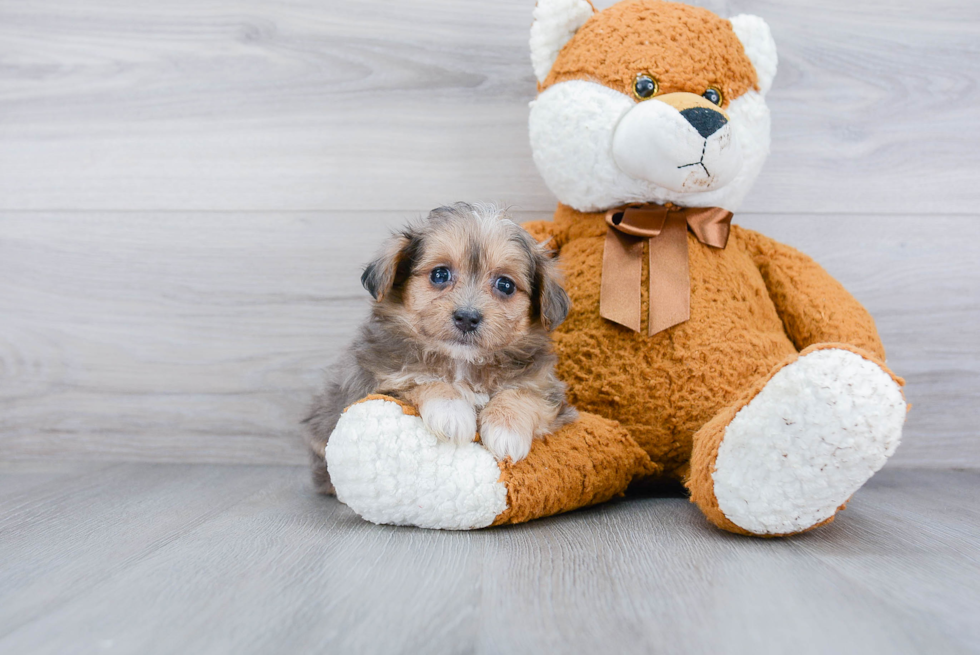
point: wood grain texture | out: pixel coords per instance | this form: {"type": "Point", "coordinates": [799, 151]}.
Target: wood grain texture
{"type": "Point", "coordinates": [331, 105]}
{"type": "Point", "coordinates": [121, 331]}
{"type": "Point", "coordinates": [169, 335]}
{"type": "Point", "coordinates": [207, 559]}
{"type": "Point", "coordinates": [201, 337]}
{"type": "Point", "coordinates": [66, 536]}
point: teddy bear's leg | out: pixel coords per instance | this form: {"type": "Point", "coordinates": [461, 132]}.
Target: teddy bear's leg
{"type": "Point", "coordinates": [795, 448]}
{"type": "Point", "coordinates": [584, 463]}
{"type": "Point", "coordinates": [390, 469]}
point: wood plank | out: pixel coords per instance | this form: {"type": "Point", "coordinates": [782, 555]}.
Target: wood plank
{"type": "Point", "coordinates": [18, 477]}
{"type": "Point", "coordinates": [129, 327]}
{"type": "Point", "coordinates": [201, 337]}
{"type": "Point", "coordinates": [311, 105]}
{"type": "Point", "coordinates": [652, 576]}
{"type": "Point", "coordinates": [282, 570]}
{"type": "Point", "coordinates": [62, 539]}
{"type": "Point", "coordinates": [912, 559]}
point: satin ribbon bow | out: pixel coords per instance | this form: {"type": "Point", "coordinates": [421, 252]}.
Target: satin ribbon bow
{"type": "Point", "coordinates": [665, 227]}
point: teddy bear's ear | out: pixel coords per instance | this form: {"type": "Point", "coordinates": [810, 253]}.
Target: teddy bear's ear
{"type": "Point", "coordinates": [756, 38]}
{"type": "Point", "coordinates": [555, 22]}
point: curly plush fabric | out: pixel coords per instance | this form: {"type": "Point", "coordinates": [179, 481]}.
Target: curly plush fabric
{"type": "Point", "coordinates": [390, 469]}
{"type": "Point", "coordinates": [585, 463]}
{"type": "Point", "coordinates": [823, 407]}
{"type": "Point", "coordinates": [752, 305]}
{"type": "Point", "coordinates": [685, 48]}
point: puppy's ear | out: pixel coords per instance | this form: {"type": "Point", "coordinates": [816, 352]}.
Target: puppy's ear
{"type": "Point", "coordinates": [392, 266]}
{"type": "Point", "coordinates": [553, 303]}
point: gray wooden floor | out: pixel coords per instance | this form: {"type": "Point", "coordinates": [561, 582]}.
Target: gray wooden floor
{"type": "Point", "coordinates": [184, 558]}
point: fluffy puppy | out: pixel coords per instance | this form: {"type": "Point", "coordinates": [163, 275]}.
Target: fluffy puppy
{"type": "Point", "coordinates": [464, 302]}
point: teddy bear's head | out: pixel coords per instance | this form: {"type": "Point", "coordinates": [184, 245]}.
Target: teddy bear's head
{"type": "Point", "coordinates": [649, 101]}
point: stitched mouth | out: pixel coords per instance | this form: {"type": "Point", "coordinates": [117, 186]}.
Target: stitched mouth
{"type": "Point", "coordinates": [700, 162]}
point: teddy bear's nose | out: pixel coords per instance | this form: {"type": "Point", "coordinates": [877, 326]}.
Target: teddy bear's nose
{"type": "Point", "coordinates": [705, 121]}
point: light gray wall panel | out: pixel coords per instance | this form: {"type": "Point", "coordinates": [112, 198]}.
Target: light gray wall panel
{"type": "Point", "coordinates": [200, 337]}
{"type": "Point", "coordinates": [307, 105]}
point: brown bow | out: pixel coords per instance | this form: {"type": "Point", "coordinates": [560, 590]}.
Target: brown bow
{"type": "Point", "coordinates": [665, 226]}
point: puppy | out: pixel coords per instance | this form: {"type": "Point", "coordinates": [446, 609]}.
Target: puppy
{"type": "Point", "coordinates": [464, 302]}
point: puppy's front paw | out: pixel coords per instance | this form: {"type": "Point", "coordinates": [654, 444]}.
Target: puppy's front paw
{"type": "Point", "coordinates": [451, 420]}
{"type": "Point", "coordinates": [504, 442]}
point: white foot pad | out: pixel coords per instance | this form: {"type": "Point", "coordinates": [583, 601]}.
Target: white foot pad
{"type": "Point", "coordinates": [812, 437]}
{"type": "Point", "coordinates": [390, 469]}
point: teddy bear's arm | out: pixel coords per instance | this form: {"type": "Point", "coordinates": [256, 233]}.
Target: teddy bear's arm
{"type": "Point", "coordinates": [814, 307]}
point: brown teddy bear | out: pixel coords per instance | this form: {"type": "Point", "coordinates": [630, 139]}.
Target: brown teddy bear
{"type": "Point", "coordinates": [696, 350]}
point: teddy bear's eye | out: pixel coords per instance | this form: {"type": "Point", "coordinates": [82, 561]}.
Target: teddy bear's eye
{"type": "Point", "coordinates": [713, 95]}
{"type": "Point", "coordinates": [645, 86]}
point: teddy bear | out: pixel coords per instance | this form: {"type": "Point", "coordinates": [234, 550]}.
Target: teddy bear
{"type": "Point", "coordinates": [695, 350]}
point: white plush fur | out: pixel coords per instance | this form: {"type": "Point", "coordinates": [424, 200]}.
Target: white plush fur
{"type": "Point", "coordinates": [572, 129]}
{"type": "Point", "coordinates": [597, 148]}
{"type": "Point", "coordinates": [387, 467]}
{"type": "Point", "coordinates": [451, 420]}
{"type": "Point", "coordinates": [555, 22]}
{"type": "Point", "coordinates": [818, 430]}
{"type": "Point", "coordinates": [759, 47]}
{"type": "Point", "coordinates": [504, 442]}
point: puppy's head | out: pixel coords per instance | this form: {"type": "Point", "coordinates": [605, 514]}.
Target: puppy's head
{"type": "Point", "coordinates": [467, 281]}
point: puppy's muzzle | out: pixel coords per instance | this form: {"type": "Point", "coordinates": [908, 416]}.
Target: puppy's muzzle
{"type": "Point", "coordinates": [467, 319]}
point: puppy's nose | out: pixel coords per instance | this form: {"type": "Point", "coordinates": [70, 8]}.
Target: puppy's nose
{"type": "Point", "coordinates": [705, 121]}
{"type": "Point", "coordinates": [467, 320]}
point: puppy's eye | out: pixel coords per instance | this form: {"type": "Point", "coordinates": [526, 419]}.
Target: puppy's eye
{"type": "Point", "coordinates": [440, 276]}
{"type": "Point", "coordinates": [645, 86]}
{"type": "Point", "coordinates": [505, 285]}
{"type": "Point", "coordinates": [714, 95]}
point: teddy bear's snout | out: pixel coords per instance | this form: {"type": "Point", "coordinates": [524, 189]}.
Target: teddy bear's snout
{"type": "Point", "coordinates": [678, 141]}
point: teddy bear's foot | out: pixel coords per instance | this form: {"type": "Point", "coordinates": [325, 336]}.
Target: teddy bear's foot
{"type": "Point", "coordinates": [389, 468]}
{"type": "Point", "coordinates": [799, 445]}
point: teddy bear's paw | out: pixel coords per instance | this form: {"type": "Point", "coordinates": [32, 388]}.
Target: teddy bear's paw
{"type": "Point", "coordinates": [389, 468]}
{"type": "Point", "coordinates": [818, 430]}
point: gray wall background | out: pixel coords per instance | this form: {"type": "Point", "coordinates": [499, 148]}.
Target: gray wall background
{"type": "Point", "coordinates": [188, 190]}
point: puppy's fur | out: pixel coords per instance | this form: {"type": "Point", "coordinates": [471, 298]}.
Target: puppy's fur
{"type": "Point", "coordinates": [420, 344]}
